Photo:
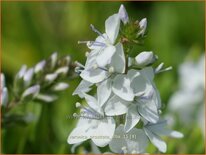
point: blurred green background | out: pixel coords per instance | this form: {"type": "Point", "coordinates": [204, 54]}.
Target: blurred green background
{"type": "Point", "coordinates": [31, 31]}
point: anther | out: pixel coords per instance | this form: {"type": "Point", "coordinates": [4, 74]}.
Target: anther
{"type": "Point", "coordinates": [95, 66]}
{"type": "Point", "coordinates": [78, 105]}
{"type": "Point", "coordinates": [87, 54]}
{"type": "Point", "coordinates": [111, 69]}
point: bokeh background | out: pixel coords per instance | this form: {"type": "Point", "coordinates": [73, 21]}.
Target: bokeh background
{"type": "Point", "coordinates": [31, 31]}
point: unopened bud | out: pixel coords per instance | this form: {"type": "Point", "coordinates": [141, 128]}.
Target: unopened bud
{"type": "Point", "coordinates": [31, 92]}
{"type": "Point", "coordinates": [51, 77]}
{"type": "Point", "coordinates": [145, 58]}
{"type": "Point", "coordinates": [40, 66]}
{"type": "Point", "coordinates": [4, 96]}
{"type": "Point", "coordinates": [123, 14]}
{"type": "Point", "coordinates": [3, 81]}
{"type": "Point", "coordinates": [62, 70]}
{"type": "Point", "coordinates": [143, 26]}
{"type": "Point", "coordinates": [60, 86]}
{"type": "Point", "coordinates": [28, 77]}
{"type": "Point", "coordinates": [21, 73]}
{"type": "Point", "coordinates": [46, 98]}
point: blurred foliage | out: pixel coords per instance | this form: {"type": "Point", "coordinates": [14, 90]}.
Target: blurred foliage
{"type": "Point", "coordinates": [31, 31]}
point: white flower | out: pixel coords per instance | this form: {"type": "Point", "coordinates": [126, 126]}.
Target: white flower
{"type": "Point", "coordinates": [40, 66]}
{"type": "Point", "coordinates": [135, 83]}
{"type": "Point", "coordinates": [145, 58]}
{"type": "Point", "coordinates": [94, 74]}
{"type": "Point", "coordinates": [143, 26]}
{"type": "Point", "coordinates": [190, 95]}
{"type": "Point", "coordinates": [62, 70]}
{"type": "Point", "coordinates": [154, 131]}
{"type": "Point", "coordinates": [123, 14]}
{"type": "Point", "coordinates": [92, 124]}
{"type": "Point", "coordinates": [133, 142]}
{"type": "Point", "coordinates": [104, 43]}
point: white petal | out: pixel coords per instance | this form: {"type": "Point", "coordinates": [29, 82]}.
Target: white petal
{"type": "Point", "coordinates": [121, 87]}
{"type": "Point", "coordinates": [94, 76]}
{"type": "Point", "coordinates": [140, 85]}
{"type": "Point", "coordinates": [132, 118]}
{"type": "Point", "coordinates": [82, 88]}
{"type": "Point", "coordinates": [161, 129]}
{"type": "Point", "coordinates": [116, 106]}
{"type": "Point", "coordinates": [103, 134]}
{"type": "Point", "coordinates": [148, 110]}
{"type": "Point", "coordinates": [135, 140]}
{"type": "Point", "coordinates": [105, 55]}
{"type": "Point", "coordinates": [138, 142]}
{"type": "Point", "coordinates": [118, 59]}
{"type": "Point", "coordinates": [156, 140]}
{"type": "Point", "coordinates": [112, 25]}
{"type": "Point", "coordinates": [118, 141]}
{"type": "Point", "coordinates": [92, 102]}
{"type": "Point", "coordinates": [148, 73]}
{"type": "Point", "coordinates": [104, 91]}
{"type": "Point", "coordinates": [79, 134]}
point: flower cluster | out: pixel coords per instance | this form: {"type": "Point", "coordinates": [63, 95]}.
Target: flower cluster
{"type": "Point", "coordinates": [39, 83]}
{"type": "Point", "coordinates": [124, 87]}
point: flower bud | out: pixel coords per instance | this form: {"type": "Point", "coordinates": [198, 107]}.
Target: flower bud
{"type": "Point", "coordinates": [123, 14]}
{"type": "Point", "coordinates": [40, 66]}
{"type": "Point", "coordinates": [28, 77]}
{"type": "Point", "coordinates": [145, 58]}
{"type": "Point", "coordinates": [54, 57]}
{"type": "Point", "coordinates": [21, 73]}
{"type": "Point", "coordinates": [31, 92]}
{"type": "Point", "coordinates": [60, 86]}
{"type": "Point", "coordinates": [4, 96]}
{"type": "Point", "coordinates": [3, 83]}
{"type": "Point", "coordinates": [62, 70]}
{"type": "Point", "coordinates": [51, 77]}
{"type": "Point", "coordinates": [143, 26]}
{"type": "Point", "coordinates": [46, 98]}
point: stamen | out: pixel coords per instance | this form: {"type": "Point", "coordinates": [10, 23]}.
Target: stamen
{"type": "Point", "coordinates": [95, 66]}
{"type": "Point", "coordinates": [96, 31]}
{"type": "Point", "coordinates": [164, 70]}
{"type": "Point", "coordinates": [79, 64]}
{"type": "Point", "coordinates": [111, 69]}
{"type": "Point", "coordinates": [78, 105]}
{"type": "Point", "coordinates": [87, 54]}
{"type": "Point", "coordinates": [83, 42]}
{"type": "Point", "coordinates": [159, 67]}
